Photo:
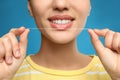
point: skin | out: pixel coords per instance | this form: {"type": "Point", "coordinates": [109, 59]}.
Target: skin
{"type": "Point", "coordinates": [58, 49]}
{"type": "Point", "coordinates": [12, 52]}
{"type": "Point", "coordinates": [59, 52]}
{"type": "Point", "coordinates": [110, 53]}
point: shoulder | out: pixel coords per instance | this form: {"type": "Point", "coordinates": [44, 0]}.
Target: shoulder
{"type": "Point", "coordinates": [98, 69]}
{"type": "Point", "coordinates": [23, 71]}
{"type": "Point", "coordinates": [97, 64]}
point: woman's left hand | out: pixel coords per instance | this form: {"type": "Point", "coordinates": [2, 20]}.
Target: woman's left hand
{"type": "Point", "coordinates": [109, 53]}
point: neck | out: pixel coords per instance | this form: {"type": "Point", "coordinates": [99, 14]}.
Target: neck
{"type": "Point", "coordinates": [58, 49]}
{"type": "Point", "coordinates": [60, 55]}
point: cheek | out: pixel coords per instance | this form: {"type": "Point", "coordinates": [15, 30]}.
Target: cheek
{"type": "Point", "coordinates": [81, 10]}
{"type": "Point", "coordinates": [82, 7]}
{"type": "Point", "coordinates": [39, 7]}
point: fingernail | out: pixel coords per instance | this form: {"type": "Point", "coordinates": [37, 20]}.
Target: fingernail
{"type": "Point", "coordinates": [9, 60]}
{"type": "Point", "coordinates": [17, 53]}
{"type": "Point", "coordinates": [22, 27]}
{"type": "Point", "coordinates": [95, 29]}
{"type": "Point", "coordinates": [90, 30]}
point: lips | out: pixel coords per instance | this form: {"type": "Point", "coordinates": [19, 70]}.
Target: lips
{"type": "Point", "coordinates": [61, 22]}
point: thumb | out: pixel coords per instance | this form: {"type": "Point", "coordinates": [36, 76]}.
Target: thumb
{"type": "Point", "coordinates": [23, 42]}
{"type": "Point", "coordinates": [99, 47]}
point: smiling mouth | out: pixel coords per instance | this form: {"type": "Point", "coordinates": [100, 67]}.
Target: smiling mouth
{"type": "Point", "coordinates": [61, 22]}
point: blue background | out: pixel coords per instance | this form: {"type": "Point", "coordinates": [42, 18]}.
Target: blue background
{"type": "Point", "coordinates": [104, 14]}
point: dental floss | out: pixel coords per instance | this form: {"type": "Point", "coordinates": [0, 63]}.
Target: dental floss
{"type": "Point", "coordinates": [52, 28]}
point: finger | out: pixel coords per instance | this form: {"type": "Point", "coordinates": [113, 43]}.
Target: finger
{"type": "Point", "coordinates": [23, 42]}
{"type": "Point", "coordinates": [18, 31]}
{"type": "Point", "coordinates": [8, 50]}
{"type": "Point", "coordinates": [109, 39]}
{"type": "Point", "coordinates": [2, 51]}
{"type": "Point", "coordinates": [116, 40]}
{"type": "Point", "coordinates": [107, 34]}
{"type": "Point", "coordinates": [15, 44]}
{"type": "Point", "coordinates": [119, 46]}
{"type": "Point", "coordinates": [101, 32]}
{"type": "Point", "coordinates": [96, 43]}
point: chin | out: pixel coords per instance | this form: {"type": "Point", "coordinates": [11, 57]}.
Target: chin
{"type": "Point", "coordinates": [63, 40]}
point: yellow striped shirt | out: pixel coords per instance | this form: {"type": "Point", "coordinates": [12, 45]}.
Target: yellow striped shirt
{"type": "Point", "coordinates": [31, 71]}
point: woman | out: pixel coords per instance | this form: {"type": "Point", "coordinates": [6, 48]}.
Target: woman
{"type": "Point", "coordinates": [60, 21]}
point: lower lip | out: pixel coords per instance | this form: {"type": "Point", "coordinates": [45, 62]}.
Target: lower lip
{"type": "Point", "coordinates": [61, 27]}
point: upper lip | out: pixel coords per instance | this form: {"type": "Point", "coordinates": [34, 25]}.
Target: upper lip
{"type": "Point", "coordinates": [61, 17]}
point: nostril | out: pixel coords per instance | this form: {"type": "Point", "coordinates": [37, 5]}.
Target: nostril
{"type": "Point", "coordinates": [60, 5]}
{"type": "Point", "coordinates": [61, 9]}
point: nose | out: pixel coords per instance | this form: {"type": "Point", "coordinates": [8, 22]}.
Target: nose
{"type": "Point", "coordinates": [60, 5]}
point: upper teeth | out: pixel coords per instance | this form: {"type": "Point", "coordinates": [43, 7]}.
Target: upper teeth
{"type": "Point", "coordinates": [61, 21]}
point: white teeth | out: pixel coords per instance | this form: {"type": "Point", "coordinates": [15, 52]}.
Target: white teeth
{"type": "Point", "coordinates": [61, 21]}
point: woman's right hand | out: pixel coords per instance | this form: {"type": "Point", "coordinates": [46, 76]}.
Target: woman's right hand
{"type": "Point", "coordinates": [12, 52]}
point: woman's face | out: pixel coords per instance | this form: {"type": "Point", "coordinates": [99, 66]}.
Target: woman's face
{"type": "Point", "coordinates": [60, 20]}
